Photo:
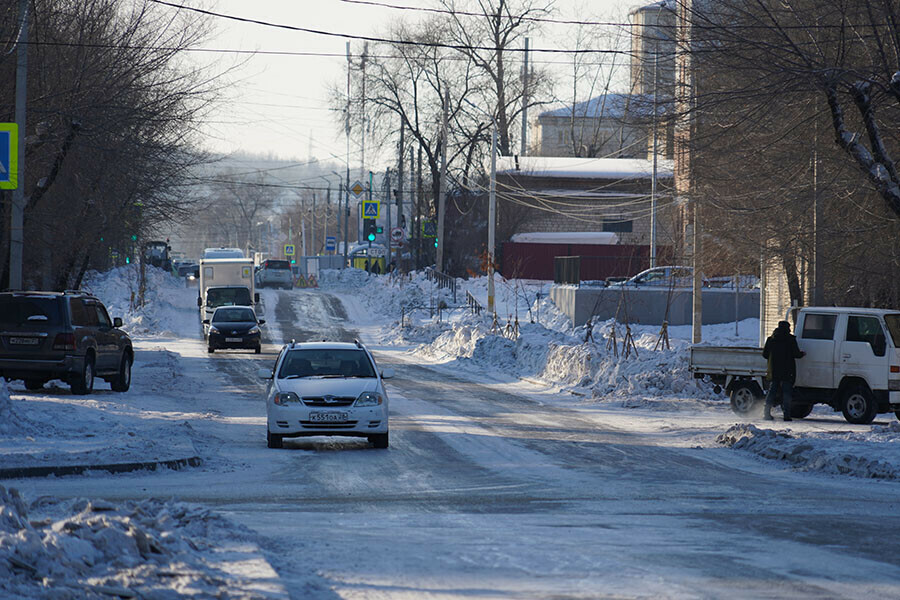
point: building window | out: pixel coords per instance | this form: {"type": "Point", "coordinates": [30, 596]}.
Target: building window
{"type": "Point", "coordinates": [617, 225]}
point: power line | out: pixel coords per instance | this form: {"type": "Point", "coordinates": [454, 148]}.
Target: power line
{"type": "Point", "coordinates": [351, 36]}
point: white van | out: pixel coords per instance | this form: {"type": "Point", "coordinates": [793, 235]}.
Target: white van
{"type": "Point", "coordinates": [221, 273]}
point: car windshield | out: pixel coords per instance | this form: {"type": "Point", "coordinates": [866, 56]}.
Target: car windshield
{"type": "Point", "coordinates": [893, 325]}
{"type": "Point", "coordinates": [237, 296]}
{"type": "Point", "coordinates": [326, 363]}
{"type": "Point", "coordinates": [233, 315]}
{"type": "Point", "coordinates": [278, 264]}
{"type": "Point", "coordinates": [23, 309]}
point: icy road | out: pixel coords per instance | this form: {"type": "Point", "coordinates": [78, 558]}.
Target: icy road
{"type": "Point", "coordinates": [488, 491]}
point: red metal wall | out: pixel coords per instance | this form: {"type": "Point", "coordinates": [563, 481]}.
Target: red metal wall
{"type": "Point", "coordinates": [535, 261]}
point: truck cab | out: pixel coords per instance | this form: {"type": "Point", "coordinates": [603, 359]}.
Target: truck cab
{"type": "Point", "coordinates": [852, 360]}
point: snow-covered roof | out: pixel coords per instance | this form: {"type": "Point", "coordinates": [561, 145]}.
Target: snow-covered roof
{"type": "Point", "coordinates": [584, 168]}
{"type": "Point", "coordinates": [610, 106]}
{"type": "Point", "coordinates": [566, 237]}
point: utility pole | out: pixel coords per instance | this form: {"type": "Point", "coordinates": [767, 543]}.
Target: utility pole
{"type": "Point", "coordinates": [697, 301]}
{"type": "Point", "coordinates": [386, 199]}
{"type": "Point", "coordinates": [492, 218]}
{"type": "Point", "coordinates": [525, 75]}
{"type": "Point", "coordinates": [818, 295]}
{"type": "Point", "coordinates": [17, 220]}
{"type": "Point", "coordinates": [400, 184]}
{"type": "Point", "coordinates": [347, 186]}
{"type": "Point", "coordinates": [419, 210]}
{"type": "Point", "coordinates": [362, 102]}
{"type": "Point", "coordinates": [653, 219]}
{"type": "Point", "coordinates": [313, 244]}
{"type": "Point", "coordinates": [442, 194]}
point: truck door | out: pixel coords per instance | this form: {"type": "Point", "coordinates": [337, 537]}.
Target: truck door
{"type": "Point", "coordinates": [816, 369]}
{"type": "Point", "coordinates": [864, 351]}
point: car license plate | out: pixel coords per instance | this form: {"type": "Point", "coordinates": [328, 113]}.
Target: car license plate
{"type": "Point", "coordinates": [27, 341]}
{"type": "Point", "coordinates": [328, 417]}
{"type": "Point", "coordinates": [234, 339]}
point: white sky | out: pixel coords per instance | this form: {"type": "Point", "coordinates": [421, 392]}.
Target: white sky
{"type": "Point", "coordinates": [278, 104]}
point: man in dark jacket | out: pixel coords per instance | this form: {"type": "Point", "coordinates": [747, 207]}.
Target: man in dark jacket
{"type": "Point", "coordinates": [781, 349]}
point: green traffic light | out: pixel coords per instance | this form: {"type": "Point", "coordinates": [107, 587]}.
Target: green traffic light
{"type": "Point", "coordinates": [293, 262]}
{"type": "Point", "coordinates": [435, 242]}
{"type": "Point", "coordinates": [133, 238]}
{"type": "Point", "coordinates": [371, 237]}
{"type": "Point", "coordinates": [127, 261]}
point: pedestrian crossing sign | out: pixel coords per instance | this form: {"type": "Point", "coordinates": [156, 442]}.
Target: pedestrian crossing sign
{"type": "Point", "coordinates": [371, 209]}
{"type": "Point", "coordinates": [288, 249]}
{"type": "Point", "coordinates": [9, 156]}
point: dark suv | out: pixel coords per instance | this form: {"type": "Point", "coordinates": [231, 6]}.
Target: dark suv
{"type": "Point", "coordinates": [62, 335]}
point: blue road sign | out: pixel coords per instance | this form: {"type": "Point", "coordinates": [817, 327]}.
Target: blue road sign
{"type": "Point", "coordinates": [9, 156]}
{"type": "Point", "coordinates": [371, 209]}
{"type": "Point", "coordinates": [330, 243]}
{"type": "Point", "coordinates": [288, 249]}
{"type": "Point", "coordinates": [429, 229]}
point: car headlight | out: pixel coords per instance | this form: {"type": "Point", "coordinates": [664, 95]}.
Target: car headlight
{"type": "Point", "coordinates": [369, 399]}
{"type": "Point", "coordinates": [253, 330]}
{"type": "Point", "coordinates": [283, 398]}
{"type": "Point", "coordinates": [213, 329]}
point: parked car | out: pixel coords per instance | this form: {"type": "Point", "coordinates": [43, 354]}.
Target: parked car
{"type": "Point", "coordinates": [233, 327]}
{"type": "Point", "coordinates": [275, 273]}
{"type": "Point", "coordinates": [62, 335]}
{"type": "Point", "coordinates": [326, 388]}
{"type": "Point", "coordinates": [671, 277]}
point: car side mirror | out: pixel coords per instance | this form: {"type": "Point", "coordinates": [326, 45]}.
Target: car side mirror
{"type": "Point", "coordinates": [264, 373]}
{"type": "Point", "coordinates": [387, 373]}
{"type": "Point", "coordinates": [256, 298]}
{"type": "Point", "coordinates": [117, 321]}
{"type": "Point", "coordinates": [206, 321]}
{"type": "Point", "coordinates": [261, 322]}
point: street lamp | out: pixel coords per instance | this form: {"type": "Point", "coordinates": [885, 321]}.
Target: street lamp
{"type": "Point", "coordinates": [492, 207]}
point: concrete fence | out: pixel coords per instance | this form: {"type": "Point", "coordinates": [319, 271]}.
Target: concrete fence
{"type": "Point", "coordinates": [648, 306]}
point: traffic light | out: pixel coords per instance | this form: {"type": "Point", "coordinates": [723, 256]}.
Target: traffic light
{"type": "Point", "coordinates": [379, 229]}
{"type": "Point", "coordinates": [369, 228]}
{"type": "Point", "coordinates": [435, 242]}
{"type": "Point", "coordinates": [293, 261]}
{"type": "Point", "coordinates": [133, 237]}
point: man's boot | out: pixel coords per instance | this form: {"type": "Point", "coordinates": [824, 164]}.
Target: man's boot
{"type": "Point", "coordinates": [767, 415]}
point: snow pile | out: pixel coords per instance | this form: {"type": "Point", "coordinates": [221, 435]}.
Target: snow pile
{"type": "Point", "coordinates": [94, 549]}
{"type": "Point", "coordinates": [169, 306]}
{"type": "Point", "coordinates": [389, 296]}
{"type": "Point", "coordinates": [11, 422]}
{"type": "Point", "coordinates": [874, 454]}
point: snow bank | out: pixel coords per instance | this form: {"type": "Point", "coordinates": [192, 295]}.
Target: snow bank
{"type": "Point", "coordinates": [77, 549]}
{"type": "Point", "coordinates": [169, 306]}
{"type": "Point", "coordinates": [873, 454]}
{"type": "Point", "coordinates": [11, 422]}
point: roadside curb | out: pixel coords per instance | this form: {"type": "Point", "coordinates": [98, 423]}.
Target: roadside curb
{"type": "Point", "coordinates": [175, 464]}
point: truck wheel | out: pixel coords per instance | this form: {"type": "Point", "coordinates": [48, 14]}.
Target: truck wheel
{"type": "Point", "coordinates": [897, 414]}
{"type": "Point", "coordinates": [858, 405]}
{"type": "Point", "coordinates": [800, 411]}
{"type": "Point", "coordinates": [36, 384]}
{"type": "Point", "coordinates": [744, 397]}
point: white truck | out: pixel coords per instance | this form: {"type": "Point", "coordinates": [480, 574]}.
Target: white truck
{"type": "Point", "coordinates": [225, 281]}
{"type": "Point", "coordinates": [852, 364]}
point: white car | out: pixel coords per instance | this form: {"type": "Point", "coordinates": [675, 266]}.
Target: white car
{"type": "Point", "coordinates": [326, 388]}
{"type": "Point", "coordinates": [275, 273]}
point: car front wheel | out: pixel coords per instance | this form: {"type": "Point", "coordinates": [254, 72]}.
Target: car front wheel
{"type": "Point", "coordinates": [84, 381]}
{"type": "Point", "coordinates": [273, 440]}
{"type": "Point", "coordinates": [123, 380]}
{"type": "Point", "coordinates": [379, 440]}
{"type": "Point", "coordinates": [34, 384]}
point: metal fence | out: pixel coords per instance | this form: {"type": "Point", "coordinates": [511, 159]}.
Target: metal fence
{"type": "Point", "coordinates": [567, 269]}
{"type": "Point", "coordinates": [442, 280]}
